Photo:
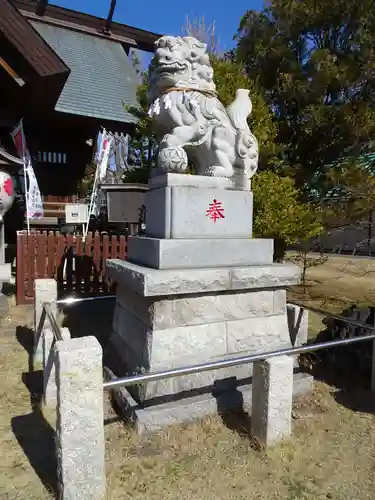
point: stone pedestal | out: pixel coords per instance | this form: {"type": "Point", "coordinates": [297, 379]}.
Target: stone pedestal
{"type": "Point", "coordinates": [193, 296]}
{"type": "Point", "coordinates": [5, 277]}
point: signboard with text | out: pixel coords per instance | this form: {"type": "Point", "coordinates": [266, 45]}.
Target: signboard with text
{"type": "Point", "coordinates": [77, 213]}
{"type": "Point", "coordinates": [125, 206]}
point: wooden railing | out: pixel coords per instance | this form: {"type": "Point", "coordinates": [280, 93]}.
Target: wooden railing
{"type": "Point", "coordinates": [76, 265]}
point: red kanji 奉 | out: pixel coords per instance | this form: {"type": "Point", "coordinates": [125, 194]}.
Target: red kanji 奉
{"type": "Point", "coordinates": [215, 211]}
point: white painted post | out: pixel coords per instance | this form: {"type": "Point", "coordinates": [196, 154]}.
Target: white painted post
{"type": "Point", "coordinates": [80, 424]}
{"type": "Point", "coordinates": [298, 324]}
{"type": "Point", "coordinates": [49, 378]}
{"type": "Point", "coordinates": [272, 393]}
{"type": "Point", "coordinates": [45, 291]}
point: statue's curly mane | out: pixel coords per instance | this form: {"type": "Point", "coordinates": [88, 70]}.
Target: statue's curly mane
{"type": "Point", "coordinates": [180, 62]}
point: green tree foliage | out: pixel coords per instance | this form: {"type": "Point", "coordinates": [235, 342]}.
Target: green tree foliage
{"type": "Point", "coordinates": [85, 185]}
{"type": "Point", "coordinates": [279, 213]}
{"type": "Point", "coordinates": [230, 76]}
{"type": "Point", "coordinates": [351, 195]}
{"type": "Point", "coordinates": [315, 62]}
{"type": "Point", "coordinates": [142, 140]}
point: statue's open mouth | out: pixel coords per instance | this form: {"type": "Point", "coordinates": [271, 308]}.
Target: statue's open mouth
{"type": "Point", "coordinates": [170, 67]}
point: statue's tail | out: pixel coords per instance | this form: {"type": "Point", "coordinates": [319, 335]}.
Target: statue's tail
{"type": "Point", "coordinates": [247, 155]}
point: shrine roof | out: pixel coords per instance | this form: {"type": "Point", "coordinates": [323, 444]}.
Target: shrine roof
{"type": "Point", "coordinates": [102, 77]}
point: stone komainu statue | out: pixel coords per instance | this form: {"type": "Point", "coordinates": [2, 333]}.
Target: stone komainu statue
{"type": "Point", "coordinates": [191, 122]}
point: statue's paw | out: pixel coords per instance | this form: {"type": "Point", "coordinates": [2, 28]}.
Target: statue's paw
{"type": "Point", "coordinates": [218, 171]}
{"type": "Point", "coordinates": [173, 159]}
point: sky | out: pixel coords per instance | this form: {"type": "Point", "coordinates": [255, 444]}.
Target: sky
{"type": "Point", "coordinates": [169, 16]}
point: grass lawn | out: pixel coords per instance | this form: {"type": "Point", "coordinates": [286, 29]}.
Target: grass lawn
{"type": "Point", "coordinates": [331, 454]}
{"type": "Point", "coordinates": [335, 285]}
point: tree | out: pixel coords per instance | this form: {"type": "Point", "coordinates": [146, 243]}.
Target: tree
{"type": "Point", "coordinates": [279, 213]}
{"type": "Point", "coordinates": [142, 144]}
{"type": "Point", "coordinates": [230, 76]}
{"type": "Point", "coordinates": [315, 62]}
{"type": "Point", "coordinates": [350, 195]}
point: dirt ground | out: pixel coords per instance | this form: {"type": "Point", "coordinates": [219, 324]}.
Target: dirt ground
{"type": "Point", "coordinates": [330, 456]}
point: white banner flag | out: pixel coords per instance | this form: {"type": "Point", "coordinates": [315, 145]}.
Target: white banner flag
{"type": "Point", "coordinates": [103, 165]}
{"type": "Point", "coordinates": [34, 204]}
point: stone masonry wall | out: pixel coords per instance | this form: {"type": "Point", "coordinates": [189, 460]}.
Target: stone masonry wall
{"type": "Point", "coordinates": [152, 334]}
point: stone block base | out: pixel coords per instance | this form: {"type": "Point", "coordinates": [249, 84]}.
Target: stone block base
{"type": "Point", "coordinates": [155, 334]}
{"type": "Point", "coordinates": [195, 406]}
{"type": "Point", "coordinates": [167, 319]}
{"type": "Point", "coordinates": [169, 282]}
{"type": "Point", "coordinates": [189, 212]}
{"type": "Point", "coordinates": [197, 253]}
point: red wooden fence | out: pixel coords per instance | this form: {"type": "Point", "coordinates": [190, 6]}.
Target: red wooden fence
{"type": "Point", "coordinates": [77, 265]}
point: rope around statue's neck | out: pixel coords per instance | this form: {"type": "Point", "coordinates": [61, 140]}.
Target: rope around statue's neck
{"type": "Point", "coordinates": [210, 93]}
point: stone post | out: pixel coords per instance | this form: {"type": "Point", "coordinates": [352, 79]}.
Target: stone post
{"type": "Point", "coordinates": [45, 291]}
{"type": "Point", "coordinates": [272, 392]}
{"type": "Point", "coordinates": [5, 273]}
{"type": "Point", "coordinates": [373, 368]}
{"type": "Point", "coordinates": [80, 422]}
{"type": "Point", "coordinates": [49, 378]}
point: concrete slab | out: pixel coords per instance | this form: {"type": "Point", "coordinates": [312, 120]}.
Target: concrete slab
{"type": "Point", "coordinates": [194, 406]}
{"type": "Point", "coordinates": [197, 253]}
{"type": "Point", "coordinates": [190, 212]}
{"type": "Point", "coordinates": [156, 282]}
{"type": "Point", "coordinates": [199, 181]}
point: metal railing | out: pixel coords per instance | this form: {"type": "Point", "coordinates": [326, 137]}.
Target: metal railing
{"type": "Point", "coordinates": [48, 314]}
{"type": "Point", "coordinates": [73, 300]}
{"type": "Point", "coordinates": [322, 312]}
{"type": "Point", "coordinates": [250, 358]}
{"type": "Point", "coordinates": [227, 363]}
{"type": "Point", "coordinates": [214, 365]}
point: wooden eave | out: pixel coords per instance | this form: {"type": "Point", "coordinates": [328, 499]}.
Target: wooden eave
{"type": "Point", "coordinates": [77, 27]}
{"type": "Point", "coordinates": [142, 39]}
{"type": "Point", "coordinates": [41, 60]}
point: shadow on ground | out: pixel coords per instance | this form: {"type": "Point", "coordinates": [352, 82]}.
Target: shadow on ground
{"type": "Point", "coordinates": [347, 371]}
{"type": "Point", "coordinates": [32, 431]}
{"type": "Point", "coordinates": [90, 318]}
{"type": "Point", "coordinates": [358, 400]}
{"type": "Point", "coordinates": [9, 289]}
{"type": "Point", "coordinates": [351, 388]}
{"type": "Point", "coordinates": [237, 419]}
{"type": "Point", "coordinates": [25, 337]}
{"type": "Point", "coordinates": [38, 445]}
{"type": "Point", "coordinates": [347, 368]}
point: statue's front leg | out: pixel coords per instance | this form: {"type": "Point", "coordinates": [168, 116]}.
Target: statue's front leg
{"type": "Point", "coordinates": [221, 157]}
{"type": "Point", "coordinates": [182, 136]}
{"type": "Point", "coordinates": [172, 156]}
